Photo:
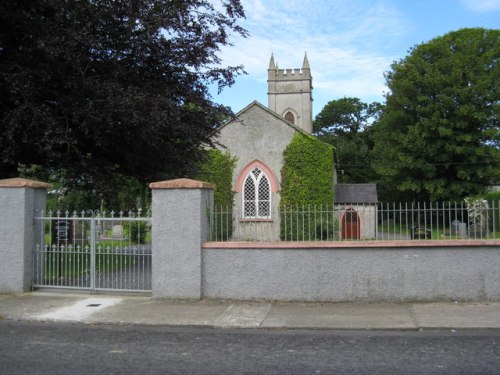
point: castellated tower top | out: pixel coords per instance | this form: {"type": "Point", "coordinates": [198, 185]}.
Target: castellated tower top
{"type": "Point", "coordinates": [290, 93]}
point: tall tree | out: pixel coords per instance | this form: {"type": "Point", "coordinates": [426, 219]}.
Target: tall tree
{"type": "Point", "coordinates": [345, 123]}
{"type": "Point", "coordinates": [438, 137]}
{"type": "Point", "coordinates": [96, 89]}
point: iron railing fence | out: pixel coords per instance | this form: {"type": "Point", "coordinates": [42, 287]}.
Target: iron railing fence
{"type": "Point", "coordinates": [93, 250]}
{"type": "Point", "coordinates": [382, 221]}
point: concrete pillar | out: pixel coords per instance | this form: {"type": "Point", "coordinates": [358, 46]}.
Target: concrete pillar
{"type": "Point", "coordinates": [180, 226]}
{"type": "Point", "coordinates": [19, 198]}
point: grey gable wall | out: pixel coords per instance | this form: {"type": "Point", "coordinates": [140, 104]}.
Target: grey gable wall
{"type": "Point", "coordinates": [257, 134]}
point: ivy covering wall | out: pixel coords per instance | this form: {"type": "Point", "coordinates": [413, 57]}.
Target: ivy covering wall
{"type": "Point", "coordinates": [218, 169]}
{"type": "Point", "coordinates": [307, 174]}
{"type": "Point", "coordinates": [307, 181]}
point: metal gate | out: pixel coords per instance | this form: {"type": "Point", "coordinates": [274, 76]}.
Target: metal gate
{"type": "Point", "coordinates": [93, 251]}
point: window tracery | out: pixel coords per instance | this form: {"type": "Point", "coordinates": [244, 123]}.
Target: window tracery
{"type": "Point", "coordinates": [256, 195]}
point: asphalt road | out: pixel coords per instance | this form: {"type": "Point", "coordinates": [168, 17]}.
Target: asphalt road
{"type": "Point", "coordinates": [65, 348]}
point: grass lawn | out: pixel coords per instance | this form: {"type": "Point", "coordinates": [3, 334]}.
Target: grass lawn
{"type": "Point", "coordinates": [438, 233]}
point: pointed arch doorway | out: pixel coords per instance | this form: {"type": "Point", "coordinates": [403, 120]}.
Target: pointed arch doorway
{"type": "Point", "coordinates": [350, 225]}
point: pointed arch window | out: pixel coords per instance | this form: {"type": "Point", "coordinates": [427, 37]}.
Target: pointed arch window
{"type": "Point", "coordinates": [289, 116]}
{"type": "Point", "coordinates": [256, 195]}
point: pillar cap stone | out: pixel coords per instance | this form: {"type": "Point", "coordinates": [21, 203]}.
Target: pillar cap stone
{"type": "Point", "coordinates": [181, 183]}
{"type": "Point", "coordinates": [24, 182]}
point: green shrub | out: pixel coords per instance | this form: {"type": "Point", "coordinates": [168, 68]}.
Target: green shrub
{"type": "Point", "coordinates": [138, 231]}
{"type": "Point", "coordinates": [307, 223]}
{"type": "Point", "coordinates": [493, 196]}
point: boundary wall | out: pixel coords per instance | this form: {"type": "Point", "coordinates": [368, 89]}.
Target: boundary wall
{"type": "Point", "coordinates": [19, 198]}
{"type": "Point", "coordinates": [186, 266]}
{"type": "Point", "coordinates": [392, 271]}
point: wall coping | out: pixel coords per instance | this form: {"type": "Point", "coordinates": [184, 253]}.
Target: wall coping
{"type": "Point", "coordinates": [350, 244]}
{"type": "Point", "coordinates": [23, 182]}
{"type": "Point", "coordinates": [181, 183]}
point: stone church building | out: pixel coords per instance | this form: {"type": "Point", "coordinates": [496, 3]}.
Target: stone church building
{"type": "Point", "coordinates": [258, 135]}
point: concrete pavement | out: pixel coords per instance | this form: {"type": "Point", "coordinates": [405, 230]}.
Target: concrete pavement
{"type": "Point", "coordinates": [116, 309]}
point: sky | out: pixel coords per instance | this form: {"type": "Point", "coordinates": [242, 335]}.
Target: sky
{"type": "Point", "coordinates": [349, 43]}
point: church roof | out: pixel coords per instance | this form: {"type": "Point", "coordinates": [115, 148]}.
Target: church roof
{"type": "Point", "coordinates": [356, 193]}
{"type": "Point", "coordinates": [261, 106]}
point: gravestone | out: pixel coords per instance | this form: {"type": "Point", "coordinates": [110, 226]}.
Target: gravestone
{"type": "Point", "coordinates": [62, 238]}
{"type": "Point", "coordinates": [68, 231]}
{"type": "Point", "coordinates": [62, 230]}
{"type": "Point", "coordinates": [458, 229]}
{"type": "Point", "coordinates": [117, 232]}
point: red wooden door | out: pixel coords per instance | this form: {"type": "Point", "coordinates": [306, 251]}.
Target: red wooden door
{"type": "Point", "coordinates": [350, 225]}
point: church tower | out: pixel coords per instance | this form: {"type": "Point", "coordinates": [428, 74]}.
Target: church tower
{"type": "Point", "coordinates": [289, 93]}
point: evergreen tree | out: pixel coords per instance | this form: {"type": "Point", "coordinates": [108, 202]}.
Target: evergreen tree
{"type": "Point", "coordinates": [346, 124]}
{"type": "Point", "coordinates": [438, 137]}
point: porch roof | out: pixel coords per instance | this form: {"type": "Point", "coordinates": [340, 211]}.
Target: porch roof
{"type": "Point", "coordinates": [356, 193]}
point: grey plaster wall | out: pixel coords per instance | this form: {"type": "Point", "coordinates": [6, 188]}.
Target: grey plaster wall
{"type": "Point", "coordinates": [257, 134]}
{"type": "Point", "coordinates": [369, 275]}
{"type": "Point", "coordinates": [17, 228]}
{"type": "Point", "coordinates": [180, 226]}
{"type": "Point", "coordinates": [367, 217]}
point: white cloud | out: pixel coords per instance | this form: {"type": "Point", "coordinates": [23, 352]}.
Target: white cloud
{"type": "Point", "coordinates": [350, 43]}
{"type": "Point", "coordinates": [341, 38]}
{"type": "Point", "coordinates": [349, 73]}
{"type": "Point", "coordinates": [482, 5]}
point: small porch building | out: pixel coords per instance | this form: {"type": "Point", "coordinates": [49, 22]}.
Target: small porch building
{"type": "Point", "coordinates": [356, 209]}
